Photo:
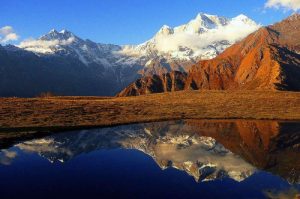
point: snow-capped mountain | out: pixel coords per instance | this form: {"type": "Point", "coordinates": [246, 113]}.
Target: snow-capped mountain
{"type": "Point", "coordinates": [68, 44]}
{"type": "Point", "coordinates": [69, 65]}
{"type": "Point", "coordinates": [202, 38]}
{"type": "Point", "coordinates": [242, 66]}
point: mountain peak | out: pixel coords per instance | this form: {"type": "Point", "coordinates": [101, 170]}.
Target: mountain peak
{"type": "Point", "coordinates": [243, 19]}
{"type": "Point", "coordinates": [55, 35]}
{"type": "Point", "coordinates": [67, 33]}
{"type": "Point", "coordinates": [64, 31]}
{"type": "Point", "coordinates": [53, 31]}
{"type": "Point", "coordinates": [205, 21]}
{"type": "Point", "coordinates": [165, 30]}
{"type": "Point", "coordinates": [203, 15]}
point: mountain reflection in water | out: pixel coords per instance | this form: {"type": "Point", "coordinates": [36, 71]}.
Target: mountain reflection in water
{"type": "Point", "coordinates": [207, 150]}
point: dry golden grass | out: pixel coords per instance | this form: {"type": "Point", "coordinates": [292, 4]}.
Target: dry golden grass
{"type": "Point", "coordinates": [83, 112]}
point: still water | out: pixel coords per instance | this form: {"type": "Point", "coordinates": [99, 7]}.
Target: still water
{"type": "Point", "coordinates": [177, 159]}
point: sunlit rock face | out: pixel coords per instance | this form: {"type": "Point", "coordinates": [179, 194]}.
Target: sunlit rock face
{"type": "Point", "coordinates": [267, 59]}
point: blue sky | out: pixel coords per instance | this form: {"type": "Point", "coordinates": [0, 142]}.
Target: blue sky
{"type": "Point", "coordinates": [122, 21]}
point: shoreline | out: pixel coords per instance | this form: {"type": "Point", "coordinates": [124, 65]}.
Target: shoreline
{"type": "Point", "coordinates": [45, 129]}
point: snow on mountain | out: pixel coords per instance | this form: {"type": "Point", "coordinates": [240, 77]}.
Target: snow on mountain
{"type": "Point", "coordinates": [48, 43]}
{"type": "Point", "coordinates": [202, 38]}
{"type": "Point", "coordinates": [202, 23]}
{"type": "Point", "coordinates": [65, 43]}
{"type": "Point", "coordinates": [171, 49]}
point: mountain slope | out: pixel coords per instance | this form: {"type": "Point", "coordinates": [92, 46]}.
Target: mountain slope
{"type": "Point", "coordinates": [63, 63]}
{"type": "Point", "coordinates": [168, 46]}
{"type": "Point", "coordinates": [177, 48]}
{"type": "Point", "coordinates": [267, 59]}
{"type": "Point", "coordinates": [25, 74]}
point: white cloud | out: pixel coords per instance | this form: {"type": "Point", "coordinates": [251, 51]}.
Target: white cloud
{"type": "Point", "coordinates": [7, 34]}
{"type": "Point", "coordinates": [286, 4]}
{"type": "Point", "coordinates": [233, 32]}
{"type": "Point", "coordinates": [43, 46]}
{"type": "Point", "coordinates": [185, 43]}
